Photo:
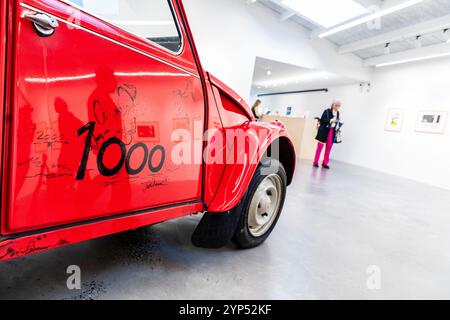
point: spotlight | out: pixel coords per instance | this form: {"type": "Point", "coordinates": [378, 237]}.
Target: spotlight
{"type": "Point", "coordinates": [387, 48]}
{"type": "Point", "coordinates": [418, 42]}
{"type": "Point", "coordinates": [446, 34]}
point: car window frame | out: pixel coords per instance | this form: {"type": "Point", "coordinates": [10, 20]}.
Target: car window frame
{"type": "Point", "coordinates": [174, 16]}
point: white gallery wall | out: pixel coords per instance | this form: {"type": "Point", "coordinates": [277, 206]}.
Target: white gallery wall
{"type": "Point", "coordinates": [410, 154]}
{"type": "Point", "coordinates": [419, 156]}
{"type": "Point", "coordinates": [230, 34]}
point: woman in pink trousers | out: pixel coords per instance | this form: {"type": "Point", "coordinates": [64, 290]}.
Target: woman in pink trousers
{"type": "Point", "coordinates": [329, 124]}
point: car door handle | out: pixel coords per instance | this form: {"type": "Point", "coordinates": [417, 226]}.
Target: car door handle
{"type": "Point", "coordinates": [44, 24]}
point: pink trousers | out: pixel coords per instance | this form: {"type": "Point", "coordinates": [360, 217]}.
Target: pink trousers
{"type": "Point", "coordinates": [328, 147]}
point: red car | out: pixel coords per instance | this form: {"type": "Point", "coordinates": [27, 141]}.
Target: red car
{"type": "Point", "coordinates": [110, 123]}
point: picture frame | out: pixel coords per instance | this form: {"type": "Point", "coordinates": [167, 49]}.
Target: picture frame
{"type": "Point", "coordinates": [289, 111]}
{"type": "Point", "coordinates": [433, 122]}
{"type": "Point", "coordinates": [395, 120]}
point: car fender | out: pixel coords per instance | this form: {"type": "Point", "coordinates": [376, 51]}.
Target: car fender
{"type": "Point", "coordinates": [259, 137]}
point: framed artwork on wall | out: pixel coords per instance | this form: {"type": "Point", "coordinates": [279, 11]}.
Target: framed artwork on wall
{"type": "Point", "coordinates": [431, 121]}
{"type": "Point", "coordinates": [395, 119]}
{"type": "Point", "coordinates": [289, 111]}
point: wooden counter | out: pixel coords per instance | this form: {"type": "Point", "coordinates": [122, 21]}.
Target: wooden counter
{"type": "Point", "coordinates": [303, 132]}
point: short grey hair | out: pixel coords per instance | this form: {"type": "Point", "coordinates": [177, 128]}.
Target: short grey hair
{"type": "Point", "coordinates": [336, 101]}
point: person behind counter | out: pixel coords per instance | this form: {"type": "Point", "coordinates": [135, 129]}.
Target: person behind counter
{"type": "Point", "coordinates": [256, 110]}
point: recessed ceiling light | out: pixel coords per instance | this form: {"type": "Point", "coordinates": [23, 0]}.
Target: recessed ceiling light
{"type": "Point", "coordinates": [326, 13]}
{"type": "Point", "coordinates": [268, 73]}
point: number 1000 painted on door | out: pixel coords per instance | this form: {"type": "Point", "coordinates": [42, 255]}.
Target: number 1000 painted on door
{"type": "Point", "coordinates": [125, 156]}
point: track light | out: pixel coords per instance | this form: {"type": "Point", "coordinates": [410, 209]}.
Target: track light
{"type": "Point", "coordinates": [387, 48]}
{"type": "Point", "coordinates": [418, 42]}
{"type": "Point", "coordinates": [446, 33]}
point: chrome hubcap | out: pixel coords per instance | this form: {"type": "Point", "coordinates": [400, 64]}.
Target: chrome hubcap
{"type": "Point", "coordinates": [265, 205]}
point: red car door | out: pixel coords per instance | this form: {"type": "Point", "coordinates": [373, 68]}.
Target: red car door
{"type": "Point", "coordinates": [100, 87]}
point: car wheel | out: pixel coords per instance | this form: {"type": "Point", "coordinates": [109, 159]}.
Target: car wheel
{"type": "Point", "coordinates": [262, 204]}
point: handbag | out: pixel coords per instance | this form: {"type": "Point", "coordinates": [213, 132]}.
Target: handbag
{"type": "Point", "coordinates": [338, 136]}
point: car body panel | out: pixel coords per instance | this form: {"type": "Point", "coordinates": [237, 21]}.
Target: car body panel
{"type": "Point", "coordinates": [15, 247]}
{"type": "Point", "coordinates": [215, 148]}
{"type": "Point", "coordinates": [246, 144]}
{"type": "Point", "coordinates": [248, 155]}
{"type": "Point", "coordinates": [133, 98]}
{"type": "Point", "coordinates": [3, 39]}
{"type": "Point", "coordinates": [226, 90]}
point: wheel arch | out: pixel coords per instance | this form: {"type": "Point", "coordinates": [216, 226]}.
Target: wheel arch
{"type": "Point", "coordinates": [286, 156]}
{"type": "Point", "coordinates": [237, 177]}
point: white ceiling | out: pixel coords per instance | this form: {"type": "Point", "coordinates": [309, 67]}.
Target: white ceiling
{"type": "Point", "coordinates": [286, 77]}
{"type": "Point", "coordinates": [422, 12]}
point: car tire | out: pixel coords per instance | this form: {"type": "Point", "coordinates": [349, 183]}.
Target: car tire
{"type": "Point", "coordinates": [262, 204]}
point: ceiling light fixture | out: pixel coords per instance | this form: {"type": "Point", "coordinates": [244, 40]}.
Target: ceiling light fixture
{"type": "Point", "coordinates": [327, 13]}
{"type": "Point", "coordinates": [387, 48]}
{"type": "Point", "coordinates": [418, 42]}
{"type": "Point", "coordinates": [446, 34]}
{"type": "Point", "coordinates": [370, 17]}
{"type": "Point", "coordinates": [434, 56]}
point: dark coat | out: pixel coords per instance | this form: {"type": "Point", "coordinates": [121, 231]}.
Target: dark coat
{"type": "Point", "coordinates": [325, 125]}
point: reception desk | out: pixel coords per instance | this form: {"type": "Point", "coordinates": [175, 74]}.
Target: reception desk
{"type": "Point", "coordinates": [303, 132]}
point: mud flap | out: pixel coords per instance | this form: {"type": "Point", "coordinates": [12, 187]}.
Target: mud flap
{"type": "Point", "coordinates": [216, 230]}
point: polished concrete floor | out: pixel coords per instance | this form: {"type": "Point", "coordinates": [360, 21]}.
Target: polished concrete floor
{"type": "Point", "coordinates": [336, 224]}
